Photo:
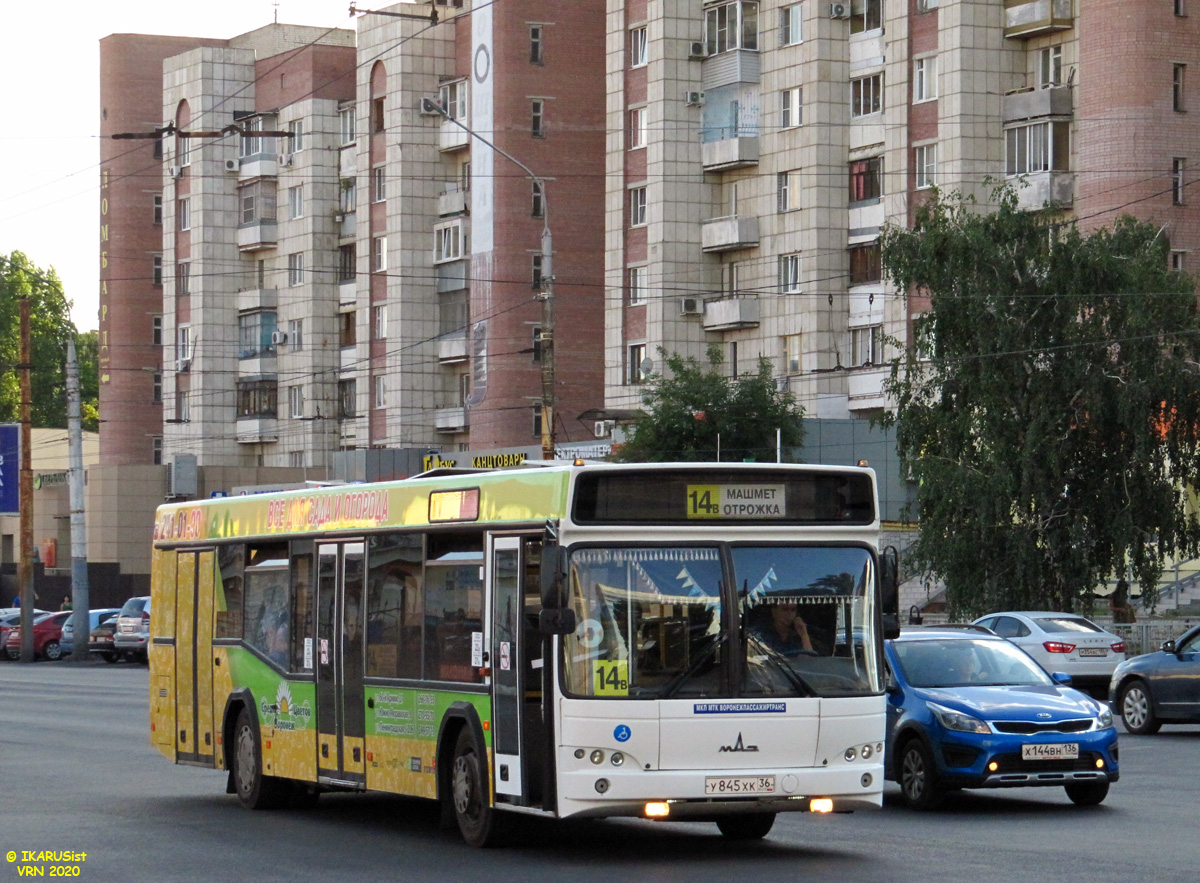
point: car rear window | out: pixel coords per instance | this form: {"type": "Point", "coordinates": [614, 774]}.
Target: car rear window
{"type": "Point", "coordinates": [134, 606]}
{"type": "Point", "coordinates": [1067, 624]}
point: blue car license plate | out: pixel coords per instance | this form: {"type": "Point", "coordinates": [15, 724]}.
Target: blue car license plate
{"type": "Point", "coordinates": [1059, 751]}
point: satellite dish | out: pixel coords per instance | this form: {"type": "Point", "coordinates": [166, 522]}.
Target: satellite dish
{"type": "Point", "coordinates": [646, 366]}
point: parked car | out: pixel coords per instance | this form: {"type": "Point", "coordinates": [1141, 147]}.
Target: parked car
{"type": "Point", "coordinates": [969, 710]}
{"type": "Point", "coordinates": [47, 631]}
{"type": "Point", "coordinates": [100, 640]}
{"type": "Point", "coordinates": [133, 629]}
{"type": "Point", "coordinates": [67, 641]}
{"type": "Point", "coordinates": [10, 618]}
{"type": "Point", "coordinates": [1063, 642]}
{"type": "Point", "coordinates": [1159, 688]}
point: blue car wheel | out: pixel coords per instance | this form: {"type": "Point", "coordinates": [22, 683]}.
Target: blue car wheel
{"type": "Point", "coordinates": [918, 778]}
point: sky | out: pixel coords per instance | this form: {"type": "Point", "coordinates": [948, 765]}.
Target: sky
{"type": "Point", "coordinates": [50, 94]}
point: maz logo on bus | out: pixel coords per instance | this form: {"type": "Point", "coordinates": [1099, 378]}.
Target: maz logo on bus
{"type": "Point", "coordinates": [739, 746]}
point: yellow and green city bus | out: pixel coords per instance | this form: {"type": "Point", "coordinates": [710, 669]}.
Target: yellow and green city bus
{"type": "Point", "coordinates": [668, 641]}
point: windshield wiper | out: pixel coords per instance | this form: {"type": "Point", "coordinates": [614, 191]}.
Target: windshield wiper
{"type": "Point", "coordinates": [789, 674]}
{"type": "Point", "coordinates": [686, 675]}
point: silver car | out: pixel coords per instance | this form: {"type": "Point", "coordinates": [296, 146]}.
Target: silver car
{"type": "Point", "coordinates": [132, 636]}
{"type": "Point", "coordinates": [1063, 642]}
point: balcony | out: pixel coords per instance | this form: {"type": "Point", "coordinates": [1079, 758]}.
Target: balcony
{"type": "Point", "coordinates": [865, 386]}
{"type": "Point", "coordinates": [453, 137]}
{"type": "Point", "coordinates": [452, 349]}
{"type": "Point", "coordinates": [257, 430]}
{"type": "Point", "coordinates": [347, 224]}
{"type": "Point", "coordinates": [257, 235]}
{"type": "Point", "coordinates": [257, 299]}
{"type": "Point", "coordinates": [729, 68]}
{"type": "Point", "coordinates": [452, 202]}
{"type": "Point", "coordinates": [1024, 19]}
{"type": "Point", "coordinates": [260, 165]}
{"type": "Point", "coordinates": [347, 291]}
{"type": "Point", "coordinates": [731, 151]}
{"type": "Point", "coordinates": [450, 419]}
{"type": "Point", "coordinates": [1033, 104]}
{"type": "Point", "coordinates": [1053, 189]}
{"type": "Point", "coordinates": [728, 234]}
{"type": "Point", "coordinates": [731, 313]}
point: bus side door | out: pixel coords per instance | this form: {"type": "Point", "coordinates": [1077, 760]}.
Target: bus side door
{"type": "Point", "coordinates": [195, 575]}
{"type": "Point", "coordinates": [341, 718]}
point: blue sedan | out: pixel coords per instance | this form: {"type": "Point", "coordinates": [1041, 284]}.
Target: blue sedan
{"type": "Point", "coordinates": [968, 709]}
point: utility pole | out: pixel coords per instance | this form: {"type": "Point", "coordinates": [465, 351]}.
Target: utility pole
{"type": "Point", "coordinates": [80, 602]}
{"type": "Point", "coordinates": [25, 568]}
{"type": "Point", "coordinates": [546, 339]}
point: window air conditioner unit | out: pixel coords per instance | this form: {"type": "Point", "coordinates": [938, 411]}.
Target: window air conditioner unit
{"type": "Point", "coordinates": [695, 99]}
{"type": "Point", "coordinates": [284, 159]}
{"type": "Point", "coordinates": [174, 171]}
{"type": "Point", "coordinates": [232, 165]}
{"type": "Point", "coordinates": [278, 337]}
{"type": "Point", "coordinates": [183, 364]}
{"type": "Point", "coordinates": [603, 428]}
{"type": "Point", "coordinates": [697, 50]}
{"type": "Point", "coordinates": [839, 10]}
{"type": "Point", "coordinates": [690, 306]}
{"type": "Point", "coordinates": [430, 107]}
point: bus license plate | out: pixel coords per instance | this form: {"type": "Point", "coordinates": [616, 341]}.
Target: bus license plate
{"type": "Point", "coordinates": [739, 785]}
{"type": "Point", "coordinates": [1063, 751]}
{"type": "Point", "coordinates": [1092, 651]}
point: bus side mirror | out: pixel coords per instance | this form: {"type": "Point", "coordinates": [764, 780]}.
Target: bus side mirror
{"type": "Point", "coordinates": [554, 561]}
{"type": "Point", "coordinates": [889, 590]}
{"type": "Point", "coordinates": [557, 622]}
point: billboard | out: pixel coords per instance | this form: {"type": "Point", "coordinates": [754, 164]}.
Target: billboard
{"type": "Point", "coordinates": [10, 468]}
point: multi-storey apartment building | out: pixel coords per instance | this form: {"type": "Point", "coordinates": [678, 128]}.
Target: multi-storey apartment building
{"type": "Point", "coordinates": [339, 266]}
{"type": "Point", "coordinates": [756, 148]}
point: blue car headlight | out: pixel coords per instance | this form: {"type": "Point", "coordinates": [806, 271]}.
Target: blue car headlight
{"type": "Point", "coordinates": [1104, 720]}
{"type": "Point", "coordinates": [956, 720]}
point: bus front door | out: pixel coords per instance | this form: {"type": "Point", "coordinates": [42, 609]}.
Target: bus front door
{"type": "Point", "coordinates": [515, 651]}
{"type": "Point", "coordinates": [194, 586]}
{"type": "Point", "coordinates": [339, 664]}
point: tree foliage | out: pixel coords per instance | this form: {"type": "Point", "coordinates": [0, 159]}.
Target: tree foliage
{"type": "Point", "coordinates": [87, 352]}
{"type": "Point", "coordinates": [49, 327]}
{"type": "Point", "coordinates": [692, 410]}
{"type": "Point", "coordinates": [1050, 403]}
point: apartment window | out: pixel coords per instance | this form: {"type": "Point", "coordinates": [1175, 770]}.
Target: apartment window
{"type": "Point", "coordinates": [730, 26]}
{"type": "Point", "coordinates": [253, 144]}
{"type": "Point", "coordinates": [464, 176]}
{"type": "Point", "coordinates": [925, 165]}
{"type": "Point", "coordinates": [635, 357]}
{"type": "Point", "coordinates": [157, 387]}
{"type": "Point", "coordinates": [380, 391]}
{"type": "Point", "coordinates": [156, 330]}
{"type": "Point", "coordinates": [865, 264]}
{"type": "Point", "coordinates": [295, 269]}
{"type": "Point", "coordinates": [184, 214]}
{"type": "Point", "coordinates": [453, 98]}
{"type": "Point", "coordinates": [1049, 69]}
{"type": "Point", "coordinates": [537, 206]}
{"type": "Point", "coordinates": [866, 179]}
{"type": "Point", "coordinates": [157, 151]}
{"type": "Point", "coordinates": [183, 406]}
{"type": "Point", "coordinates": [637, 207]}
{"type": "Point", "coordinates": [639, 47]}
{"type": "Point", "coordinates": [377, 115]}
{"type": "Point", "coordinates": [1038, 147]}
{"type": "Point", "coordinates": [257, 201]}
{"type": "Point", "coordinates": [296, 459]}
{"type": "Point", "coordinates": [296, 201]}
{"type": "Point", "coordinates": [536, 44]}
{"type": "Point", "coordinates": [255, 333]}
{"type": "Point", "coordinates": [789, 274]}
{"type": "Point", "coordinates": [535, 424]}
{"type": "Point", "coordinates": [378, 184]}
{"type": "Point", "coordinates": [537, 114]}
{"type": "Point", "coordinates": [379, 254]}
{"type": "Point", "coordinates": [183, 150]}
{"type": "Point", "coordinates": [1179, 70]}
{"type": "Point", "coordinates": [791, 108]}
{"type": "Point", "coordinates": [296, 401]}
{"type": "Point", "coordinates": [183, 345]}
{"type": "Point", "coordinates": [790, 24]}
{"type": "Point", "coordinates": [637, 286]}
{"type": "Point", "coordinates": [791, 353]}
{"type": "Point", "coordinates": [346, 124]}
{"type": "Point", "coordinates": [536, 270]}
{"type": "Point", "coordinates": [257, 398]}
{"type": "Point", "coordinates": [788, 189]}
{"type": "Point", "coordinates": [1180, 9]}
{"type": "Point", "coordinates": [379, 321]}
{"type": "Point", "coordinates": [347, 330]}
{"type": "Point", "coordinates": [448, 242]}
{"type": "Point", "coordinates": [347, 197]}
{"type": "Point", "coordinates": [156, 272]}
{"type": "Point", "coordinates": [347, 399]}
{"type": "Point", "coordinates": [158, 208]}
{"type": "Point", "coordinates": [295, 338]}
{"type": "Point", "coordinates": [925, 78]}
{"type": "Point", "coordinates": [295, 136]}
{"type": "Point", "coordinates": [156, 444]}
{"type": "Point", "coordinates": [865, 15]}
{"type": "Point", "coordinates": [1178, 165]}
{"type": "Point", "coordinates": [183, 277]}
{"type": "Point", "coordinates": [347, 262]}
{"type": "Point", "coordinates": [866, 95]}
{"type": "Point", "coordinates": [864, 345]}
{"type": "Point", "coordinates": [637, 127]}
{"type": "Point", "coordinates": [1177, 263]}
{"type": "Point", "coordinates": [537, 343]}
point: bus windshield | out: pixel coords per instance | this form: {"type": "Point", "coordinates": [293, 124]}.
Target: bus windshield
{"type": "Point", "coordinates": [659, 622]}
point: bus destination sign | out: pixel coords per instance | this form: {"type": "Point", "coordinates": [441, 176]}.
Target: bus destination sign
{"type": "Point", "coordinates": [743, 501]}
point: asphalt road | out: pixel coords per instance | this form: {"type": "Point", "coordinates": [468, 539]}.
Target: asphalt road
{"type": "Point", "coordinates": [77, 774]}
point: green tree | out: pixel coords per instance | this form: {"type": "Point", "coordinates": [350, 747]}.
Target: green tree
{"type": "Point", "coordinates": [87, 351]}
{"type": "Point", "coordinates": [693, 410]}
{"type": "Point", "coordinates": [49, 327]}
{"type": "Point", "coordinates": [1050, 403]}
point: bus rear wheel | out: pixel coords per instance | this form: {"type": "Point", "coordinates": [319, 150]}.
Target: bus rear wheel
{"type": "Point", "coordinates": [478, 821]}
{"type": "Point", "coordinates": [254, 790]}
{"type": "Point", "coordinates": [754, 826]}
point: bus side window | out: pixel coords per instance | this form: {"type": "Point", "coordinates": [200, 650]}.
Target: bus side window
{"type": "Point", "coordinates": [230, 560]}
{"type": "Point", "coordinates": [303, 612]}
{"type": "Point", "coordinates": [395, 606]}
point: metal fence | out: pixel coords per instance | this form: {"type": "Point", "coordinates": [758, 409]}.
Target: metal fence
{"type": "Point", "coordinates": [1146, 637]}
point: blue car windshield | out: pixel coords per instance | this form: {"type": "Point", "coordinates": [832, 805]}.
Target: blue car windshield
{"type": "Point", "coordinates": [967, 663]}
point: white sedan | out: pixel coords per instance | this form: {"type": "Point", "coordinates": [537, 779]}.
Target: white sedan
{"type": "Point", "coordinates": [1062, 642]}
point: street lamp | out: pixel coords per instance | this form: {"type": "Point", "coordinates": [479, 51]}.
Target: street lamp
{"type": "Point", "coordinates": [546, 339]}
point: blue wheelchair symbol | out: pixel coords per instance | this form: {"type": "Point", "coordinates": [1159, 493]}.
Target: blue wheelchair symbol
{"type": "Point", "coordinates": [622, 733]}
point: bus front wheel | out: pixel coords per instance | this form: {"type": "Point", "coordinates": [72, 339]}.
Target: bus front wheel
{"type": "Point", "coordinates": [754, 826]}
{"type": "Point", "coordinates": [477, 819]}
{"type": "Point", "coordinates": [254, 790]}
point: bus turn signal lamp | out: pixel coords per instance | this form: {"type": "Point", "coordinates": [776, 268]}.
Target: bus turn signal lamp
{"type": "Point", "coordinates": [657, 810]}
{"type": "Point", "coordinates": [820, 804]}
